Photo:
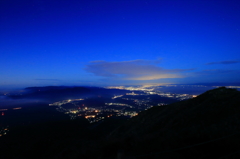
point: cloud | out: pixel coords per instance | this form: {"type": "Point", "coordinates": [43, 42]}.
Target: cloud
{"type": "Point", "coordinates": [133, 70]}
{"type": "Point", "coordinates": [217, 71]}
{"type": "Point", "coordinates": [222, 62]}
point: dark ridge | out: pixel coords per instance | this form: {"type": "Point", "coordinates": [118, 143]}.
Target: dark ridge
{"type": "Point", "coordinates": [52, 92]}
{"type": "Point", "coordinates": [203, 127]}
{"type": "Point", "coordinates": [211, 118]}
{"type": "Point", "coordinates": [56, 93]}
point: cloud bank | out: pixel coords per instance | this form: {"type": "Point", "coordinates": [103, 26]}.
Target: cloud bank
{"type": "Point", "coordinates": [133, 70]}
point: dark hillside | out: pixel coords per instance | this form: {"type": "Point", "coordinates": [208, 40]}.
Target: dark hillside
{"type": "Point", "coordinates": [206, 126]}
{"type": "Point", "coordinates": [203, 127]}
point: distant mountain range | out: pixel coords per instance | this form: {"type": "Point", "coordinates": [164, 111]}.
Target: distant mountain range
{"type": "Point", "coordinates": [203, 127]}
{"type": "Point", "coordinates": [62, 92]}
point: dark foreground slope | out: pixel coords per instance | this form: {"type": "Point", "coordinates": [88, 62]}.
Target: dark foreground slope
{"type": "Point", "coordinates": [204, 127]}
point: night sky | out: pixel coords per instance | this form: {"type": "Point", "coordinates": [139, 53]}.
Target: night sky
{"type": "Point", "coordinates": [118, 42]}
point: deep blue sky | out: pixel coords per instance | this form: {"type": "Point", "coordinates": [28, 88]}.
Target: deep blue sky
{"type": "Point", "coordinates": [116, 42]}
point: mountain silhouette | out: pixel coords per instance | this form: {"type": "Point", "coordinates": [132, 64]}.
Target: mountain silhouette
{"type": "Point", "coordinates": [203, 127]}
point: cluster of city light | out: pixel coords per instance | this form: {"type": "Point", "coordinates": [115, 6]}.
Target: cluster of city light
{"type": "Point", "coordinates": [131, 114]}
{"type": "Point", "coordinates": [151, 91]}
{"type": "Point", "coordinates": [64, 102]}
{"type": "Point", "coordinates": [117, 96]}
{"type": "Point", "coordinates": [132, 94]}
{"type": "Point", "coordinates": [93, 114]}
{"type": "Point", "coordinates": [11, 108]}
{"type": "Point", "coordinates": [115, 87]}
{"type": "Point", "coordinates": [3, 131]}
{"type": "Point", "coordinates": [17, 108]}
{"type": "Point", "coordinates": [121, 104]}
{"type": "Point", "coordinates": [3, 110]}
{"type": "Point", "coordinates": [98, 113]}
{"type": "Point", "coordinates": [228, 86]}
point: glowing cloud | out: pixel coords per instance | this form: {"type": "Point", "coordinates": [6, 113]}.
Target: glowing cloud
{"type": "Point", "coordinates": [133, 70]}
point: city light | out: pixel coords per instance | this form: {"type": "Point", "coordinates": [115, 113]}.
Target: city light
{"type": "Point", "coordinates": [131, 103]}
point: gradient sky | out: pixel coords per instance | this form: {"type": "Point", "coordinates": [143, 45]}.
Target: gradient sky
{"type": "Point", "coordinates": [117, 42]}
